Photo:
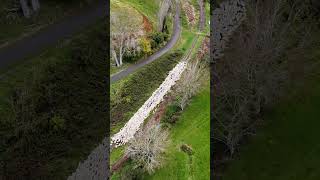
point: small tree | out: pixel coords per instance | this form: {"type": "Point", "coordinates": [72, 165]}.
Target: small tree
{"type": "Point", "coordinates": [146, 149]}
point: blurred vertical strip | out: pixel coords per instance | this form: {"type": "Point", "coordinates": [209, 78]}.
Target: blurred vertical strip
{"type": "Point", "coordinates": [213, 5]}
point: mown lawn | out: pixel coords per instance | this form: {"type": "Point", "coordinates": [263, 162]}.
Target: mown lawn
{"type": "Point", "coordinates": [288, 146]}
{"type": "Point", "coordinates": [193, 128]}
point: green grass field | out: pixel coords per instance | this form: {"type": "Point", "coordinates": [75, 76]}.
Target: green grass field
{"type": "Point", "coordinates": [147, 7]}
{"type": "Point", "coordinates": [192, 128]}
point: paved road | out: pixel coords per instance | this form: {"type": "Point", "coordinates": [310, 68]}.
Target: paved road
{"type": "Point", "coordinates": [50, 35]}
{"type": "Point", "coordinates": [174, 38]}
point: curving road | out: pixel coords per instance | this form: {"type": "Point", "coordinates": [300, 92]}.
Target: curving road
{"type": "Point", "coordinates": [174, 38]}
{"type": "Point", "coordinates": [50, 35]}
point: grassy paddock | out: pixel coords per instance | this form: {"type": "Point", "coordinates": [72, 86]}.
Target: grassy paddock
{"type": "Point", "coordinates": [149, 8]}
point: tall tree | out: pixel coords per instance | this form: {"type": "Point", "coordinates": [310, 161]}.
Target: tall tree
{"type": "Point", "coordinates": [35, 5]}
{"type": "Point", "coordinates": [165, 6]}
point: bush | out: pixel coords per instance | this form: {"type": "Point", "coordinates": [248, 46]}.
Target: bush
{"type": "Point", "coordinates": [157, 39]}
{"type": "Point", "coordinates": [145, 45]}
{"type": "Point", "coordinates": [172, 113]}
{"type": "Point", "coordinates": [187, 149]}
{"type": "Point", "coordinates": [129, 172]}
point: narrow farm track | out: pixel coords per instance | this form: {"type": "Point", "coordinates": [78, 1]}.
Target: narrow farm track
{"type": "Point", "coordinates": [50, 35]}
{"type": "Point", "coordinates": [173, 40]}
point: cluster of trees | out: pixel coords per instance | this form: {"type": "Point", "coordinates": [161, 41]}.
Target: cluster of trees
{"type": "Point", "coordinates": [255, 71]}
{"type": "Point", "coordinates": [128, 42]}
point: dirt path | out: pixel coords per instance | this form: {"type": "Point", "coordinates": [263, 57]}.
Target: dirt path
{"type": "Point", "coordinates": [173, 40]}
{"type": "Point", "coordinates": [50, 35]}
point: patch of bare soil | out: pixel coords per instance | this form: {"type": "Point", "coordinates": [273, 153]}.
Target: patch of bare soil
{"type": "Point", "coordinates": [147, 26]}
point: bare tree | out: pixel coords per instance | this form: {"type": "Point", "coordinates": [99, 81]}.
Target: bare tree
{"type": "Point", "coordinates": [27, 12]}
{"type": "Point", "coordinates": [190, 82]}
{"type": "Point", "coordinates": [147, 148]}
{"type": "Point", "coordinates": [123, 37]}
{"type": "Point", "coordinates": [251, 77]}
{"type": "Point", "coordinates": [164, 8]}
{"type": "Point", "coordinates": [25, 8]}
{"type": "Point", "coordinates": [35, 5]}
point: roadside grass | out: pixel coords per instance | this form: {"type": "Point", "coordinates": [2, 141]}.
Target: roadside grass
{"type": "Point", "coordinates": [185, 40]}
{"type": "Point", "coordinates": [287, 147]}
{"type": "Point", "coordinates": [60, 74]}
{"type": "Point", "coordinates": [116, 154]}
{"type": "Point", "coordinates": [12, 29]}
{"type": "Point", "coordinates": [207, 8]}
{"type": "Point", "coordinates": [193, 129]}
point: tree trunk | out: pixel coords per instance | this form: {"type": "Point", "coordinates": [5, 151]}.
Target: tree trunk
{"type": "Point", "coordinates": [35, 5]}
{"type": "Point", "coordinates": [114, 54]}
{"type": "Point", "coordinates": [25, 8]}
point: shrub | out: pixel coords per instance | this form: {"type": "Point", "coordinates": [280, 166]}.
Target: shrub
{"type": "Point", "coordinates": [145, 45]}
{"type": "Point", "coordinates": [157, 39]}
{"type": "Point", "coordinates": [187, 149]}
{"type": "Point", "coordinates": [172, 113]}
{"type": "Point", "coordinates": [57, 122]}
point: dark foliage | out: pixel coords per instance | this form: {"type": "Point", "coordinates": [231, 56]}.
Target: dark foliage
{"type": "Point", "coordinates": [59, 113]}
{"type": "Point", "coordinates": [172, 113]}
